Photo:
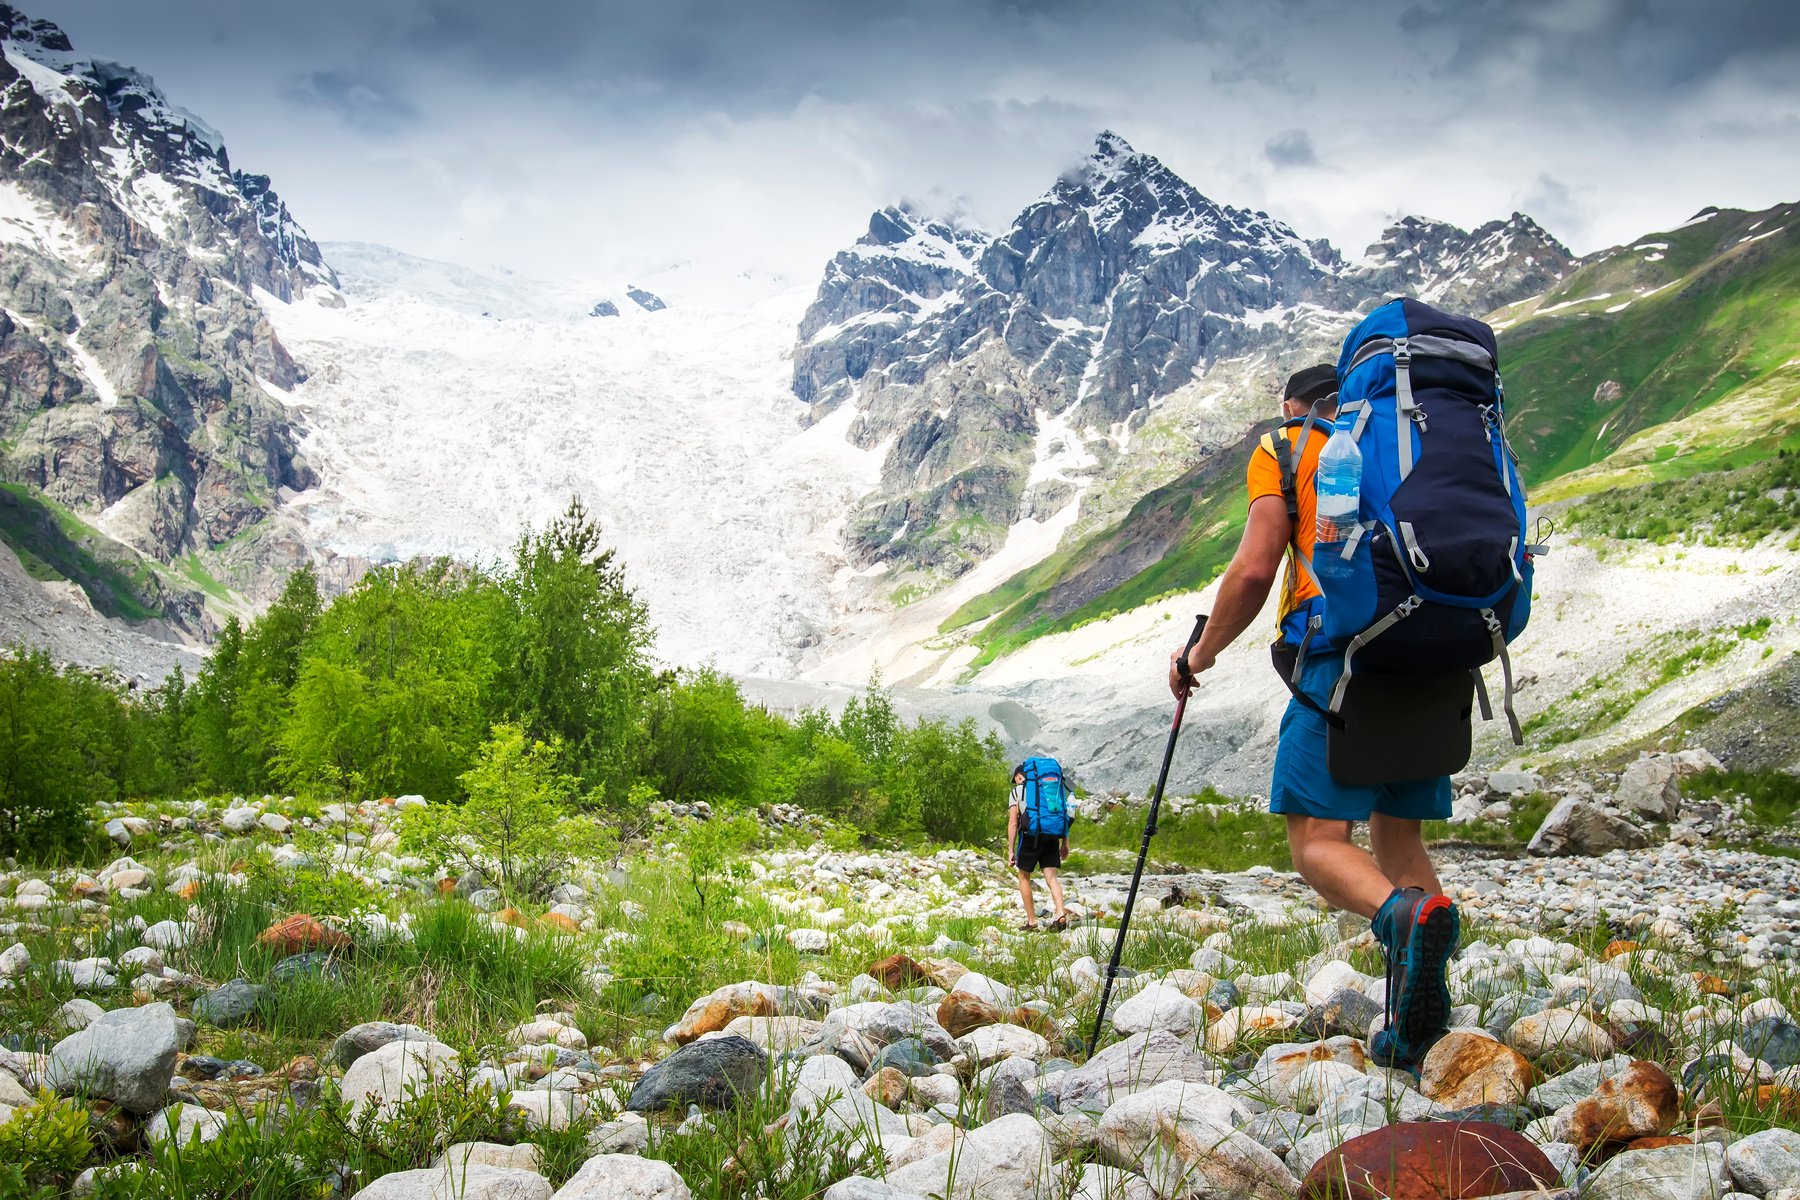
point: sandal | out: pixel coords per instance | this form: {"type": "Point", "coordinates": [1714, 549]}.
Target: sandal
{"type": "Point", "coordinates": [1032, 926]}
{"type": "Point", "coordinates": [1060, 924]}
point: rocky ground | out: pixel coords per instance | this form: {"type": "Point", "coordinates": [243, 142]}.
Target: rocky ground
{"type": "Point", "coordinates": [272, 998]}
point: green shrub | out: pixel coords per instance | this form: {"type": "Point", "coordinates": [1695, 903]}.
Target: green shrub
{"type": "Point", "coordinates": [45, 1143]}
{"type": "Point", "coordinates": [517, 823]}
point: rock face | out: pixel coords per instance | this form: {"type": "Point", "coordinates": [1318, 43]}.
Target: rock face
{"type": "Point", "coordinates": [1436, 1160]}
{"type": "Point", "coordinates": [141, 389]}
{"type": "Point", "coordinates": [126, 1056]}
{"type": "Point", "coordinates": [1007, 371]}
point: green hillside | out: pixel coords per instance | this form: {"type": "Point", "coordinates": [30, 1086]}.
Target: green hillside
{"type": "Point", "coordinates": [1672, 356]}
{"type": "Point", "coordinates": [1174, 539]}
{"type": "Point", "coordinates": [1650, 333]}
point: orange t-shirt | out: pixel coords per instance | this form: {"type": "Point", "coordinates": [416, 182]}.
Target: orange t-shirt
{"type": "Point", "coordinates": [1264, 477]}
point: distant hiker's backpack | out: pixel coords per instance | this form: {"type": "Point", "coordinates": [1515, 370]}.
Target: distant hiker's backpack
{"type": "Point", "coordinates": [1046, 800]}
{"type": "Point", "coordinates": [1433, 577]}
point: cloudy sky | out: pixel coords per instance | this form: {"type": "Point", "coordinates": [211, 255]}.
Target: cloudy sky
{"type": "Point", "coordinates": [602, 139]}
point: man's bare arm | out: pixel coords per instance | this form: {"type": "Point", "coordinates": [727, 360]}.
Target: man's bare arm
{"type": "Point", "coordinates": [1244, 589]}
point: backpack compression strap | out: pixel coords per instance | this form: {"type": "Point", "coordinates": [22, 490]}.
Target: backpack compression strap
{"type": "Point", "coordinates": [1282, 449]}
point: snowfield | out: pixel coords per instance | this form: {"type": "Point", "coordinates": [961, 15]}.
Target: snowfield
{"type": "Point", "coordinates": [439, 430]}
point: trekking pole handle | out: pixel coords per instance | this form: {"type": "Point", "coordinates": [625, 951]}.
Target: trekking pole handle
{"type": "Point", "coordinates": [1182, 670]}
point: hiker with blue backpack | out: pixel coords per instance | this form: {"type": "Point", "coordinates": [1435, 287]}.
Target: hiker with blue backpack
{"type": "Point", "coordinates": [1037, 832]}
{"type": "Point", "coordinates": [1393, 494]}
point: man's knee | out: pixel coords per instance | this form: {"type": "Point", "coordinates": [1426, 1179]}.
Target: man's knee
{"type": "Point", "coordinates": [1304, 833]}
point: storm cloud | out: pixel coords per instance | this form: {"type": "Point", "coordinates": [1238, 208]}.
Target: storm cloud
{"type": "Point", "coordinates": [610, 139]}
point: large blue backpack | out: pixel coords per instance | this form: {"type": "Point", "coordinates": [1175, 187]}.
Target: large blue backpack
{"type": "Point", "coordinates": [1436, 574]}
{"type": "Point", "coordinates": [1046, 800]}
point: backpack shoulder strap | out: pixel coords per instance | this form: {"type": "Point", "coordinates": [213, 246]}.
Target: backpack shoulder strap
{"type": "Point", "coordinates": [1281, 449]}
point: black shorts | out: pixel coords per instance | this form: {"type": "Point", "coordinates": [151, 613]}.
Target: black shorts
{"type": "Point", "coordinates": [1039, 850]}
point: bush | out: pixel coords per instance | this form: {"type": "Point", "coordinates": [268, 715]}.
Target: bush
{"type": "Point", "coordinates": [703, 743]}
{"type": "Point", "coordinates": [950, 781]}
{"type": "Point", "coordinates": [517, 823]}
{"type": "Point", "coordinates": [44, 1144]}
{"type": "Point", "coordinates": [67, 740]}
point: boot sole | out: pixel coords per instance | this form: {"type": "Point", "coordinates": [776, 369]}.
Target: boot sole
{"type": "Point", "coordinates": [1426, 1001]}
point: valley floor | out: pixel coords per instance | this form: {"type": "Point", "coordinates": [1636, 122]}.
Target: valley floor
{"type": "Point", "coordinates": [274, 999]}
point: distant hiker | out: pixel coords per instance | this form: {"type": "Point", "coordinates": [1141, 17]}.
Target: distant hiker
{"type": "Point", "coordinates": [1381, 697]}
{"type": "Point", "coordinates": [1037, 832]}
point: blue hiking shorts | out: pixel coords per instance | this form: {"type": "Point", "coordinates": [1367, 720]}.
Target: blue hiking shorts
{"type": "Point", "coordinates": [1303, 786]}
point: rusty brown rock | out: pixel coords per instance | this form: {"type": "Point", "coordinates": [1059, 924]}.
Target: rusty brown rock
{"type": "Point", "coordinates": [1641, 1101]}
{"type": "Point", "coordinates": [716, 1010]}
{"type": "Point", "coordinates": [299, 934]}
{"type": "Point", "coordinates": [1465, 1069]}
{"type": "Point", "coordinates": [1039, 1023]}
{"type": "Point", "coordinates": [887, 1087]}
{"type": "Point", "coordinates": [560, 922]}
{"type": "Point", "coordinates": [897, 971]}
{"type": "Point", "coordinates": [1430, 1160]}
{"type": "Point", "coordinates": [1657, 1143]}
{"type": "Point", "coordinates": [959, 1012]}
{"type": "Point", "coordinates": [1617, 947]}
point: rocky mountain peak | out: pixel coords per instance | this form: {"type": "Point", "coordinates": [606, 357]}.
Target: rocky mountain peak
{"type": "Point", "coordinates": [1006, 374]}
{"type": "Point", "coordinates": [144, 386]}
{"type": "Point", "coordinates": [1473, 271]}
{"type": "Point", "coordinates": [15, 26]}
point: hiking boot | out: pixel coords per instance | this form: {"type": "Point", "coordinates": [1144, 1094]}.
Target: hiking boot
{"type": "Point", "coordinates": [1418, 933]}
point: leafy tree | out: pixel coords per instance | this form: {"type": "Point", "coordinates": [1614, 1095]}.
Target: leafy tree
{"type": "Point", "coordinates": [950, 780]}
{"type": "Point", "coordinates": [395, 683]}
{"type": "Point", "coordinates": [575, 663]}
{"type": "Point", "coordinates": [518, 826]}
{"type": "Point", "coordinates": [869, 723]}
{"type": "Point", "coordinates": [209, 724]}
{"type": "Point", "coordinates": [44, 788]}
{"type": "Point", "coordinates": [702, 741]}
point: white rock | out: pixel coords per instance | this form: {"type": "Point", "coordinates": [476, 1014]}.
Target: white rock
{"type": "Point", "coordinates": [809, 941]}
{"type": "Point", "coordinates": [182, 1124]}
{"type": "Point", "coordinates": [126, 1056]}
{"type": "Point", "coordinates": [1666, 1173]}
{"type": "Point", "coordinates": [239, 820]}
{"type": "Point", "coordinates": [383, 1076]}
{"type": "Point", "coordinates": [1158, 1006]}
{"type": "Point", "coordinates": [992, 1042]}
{"type": "Point", "coordinates": [1183, 1138]}
{"type": "Point", "coordinates": [168, 935]}
{"type": "Point", "coordinates": [1001, 1160]}
{"type": "Point", "coordinates": [458, 1183]}
{"type": "Point", "coordinates": [554, 1110]}
{"type": "Point", "coordinates": [522, 1157]}
{"type": "Point", "coordinates": [1329, 978]}
{"type": "Point", "coordinates": [15, 960]}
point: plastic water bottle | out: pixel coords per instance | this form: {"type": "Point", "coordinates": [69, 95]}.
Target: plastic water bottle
{"type": "Point", "coordinates": [1339, 488]}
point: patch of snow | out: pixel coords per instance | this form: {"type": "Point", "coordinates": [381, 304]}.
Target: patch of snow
{"type": "Point", "coordinates": [1594, 299]}
{"type": "Point", "coordinates": [1621, 307]}
{"type": "Point", "coordinates": [1708, 215]}
{"type": "Point", "coordinates": [27, 223]}
{"type": "Point", "coordinates": [1060, 452]}
{"type": "Point", "coordinates": [94, 373]}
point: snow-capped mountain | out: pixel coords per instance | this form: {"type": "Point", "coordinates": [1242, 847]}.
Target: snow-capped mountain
{"type": "Point", "coordinates": [1474, 272]}
{"type": "Point", "coordinates": [1005, 377]}
{"type": "Point", "coordinates": [142, 382]}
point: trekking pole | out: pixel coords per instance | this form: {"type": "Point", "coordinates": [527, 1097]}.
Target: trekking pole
{"type": "Point", "coordinates": [1162, 777]}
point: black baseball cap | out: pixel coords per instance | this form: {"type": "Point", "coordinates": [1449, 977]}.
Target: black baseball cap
{"type": "Point", "coordinates": [1311, 384]}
